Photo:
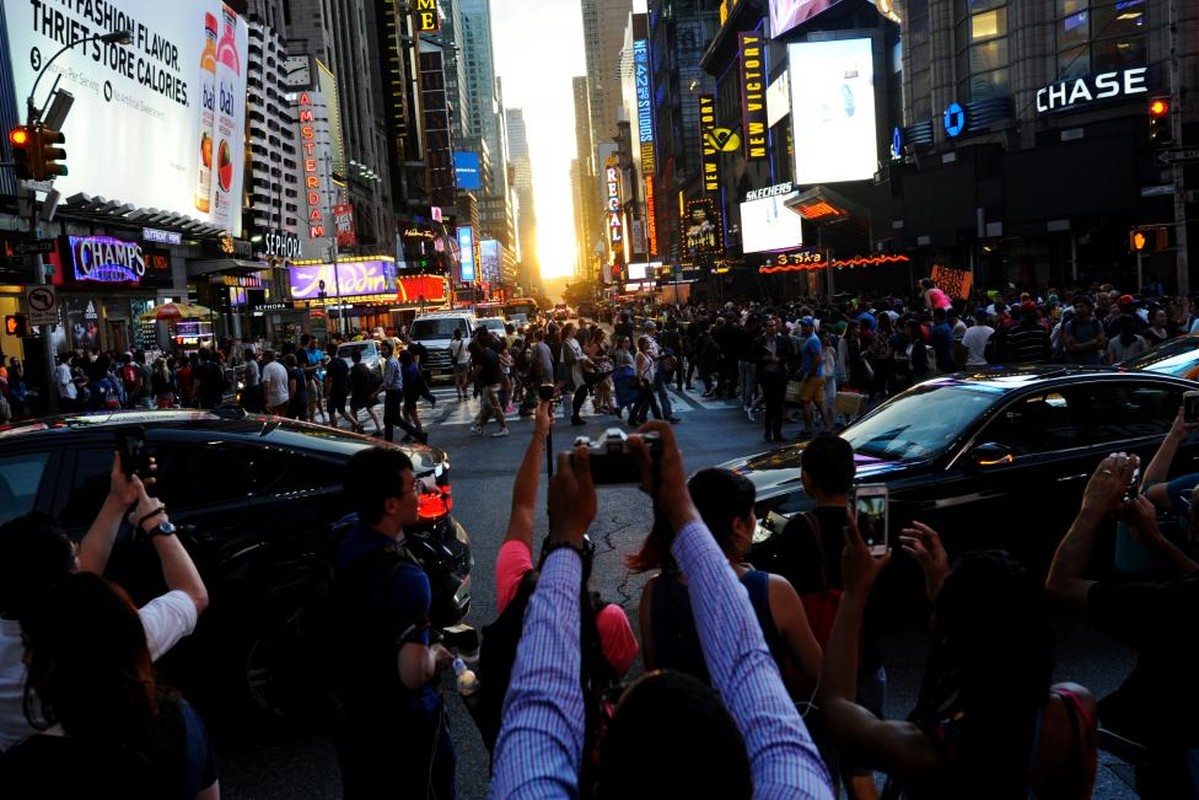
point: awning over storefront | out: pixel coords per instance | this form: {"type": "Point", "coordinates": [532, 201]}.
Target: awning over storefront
{"type": "Point", "coordinates": [102, 211]}
{"type": "Point", "coordinates": [224, 266]}
{"type": "Point", "coordinates": [822, 205]}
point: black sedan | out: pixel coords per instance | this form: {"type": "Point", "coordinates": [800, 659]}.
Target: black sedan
{"type": "Point", "coordinates": [995, 458]}
{"type": "Point", "coordinates": [255, 498]}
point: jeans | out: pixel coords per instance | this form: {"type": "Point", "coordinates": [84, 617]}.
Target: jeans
{"type": "Point", "coordinates": [645, 403]}
{"type": "Point", "coordinates": [660, 382]}
{"type": "Point", "coordinates": [747, 381]}
{"type": "Point", "coordinates": [393, 399]}
{"type": "Point", "coordinates": [774, 389]}
{"type": "Point", "coordinates": [409, 756]}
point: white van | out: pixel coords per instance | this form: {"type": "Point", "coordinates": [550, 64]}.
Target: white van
{"type": "Point", "coordinates": [435, 331]}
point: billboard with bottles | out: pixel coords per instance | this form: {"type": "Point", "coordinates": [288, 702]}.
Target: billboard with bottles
{"type": "Point", "coordinates": [157, 123]}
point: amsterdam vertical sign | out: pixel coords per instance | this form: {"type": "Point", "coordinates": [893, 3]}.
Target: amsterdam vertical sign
{"type": "Point", "coordinates": [707, 131]}
{"type": "Point", "coordinates": [753, 95]}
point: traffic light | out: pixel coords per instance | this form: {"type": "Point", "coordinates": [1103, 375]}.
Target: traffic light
{"type": "Point", "coordinates": [1159, 121]}
{"type": "Point", "coordinates": [16, 325]}
{"type": "Point", "coordinates": [1150, 239]}
{"type": "Point", "coordinates": [49, 153]}
{"type": "Point", "coordinates": [22, 152]}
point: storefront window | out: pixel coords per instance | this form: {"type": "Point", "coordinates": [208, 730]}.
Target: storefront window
{"type": "Point", "coordinates": [982, 62]}
{"type": "Point", "coordinates": [1100, 35]}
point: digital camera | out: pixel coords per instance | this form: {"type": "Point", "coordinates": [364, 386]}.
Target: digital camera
{"type": "Point", "coordinates": [612, 462]}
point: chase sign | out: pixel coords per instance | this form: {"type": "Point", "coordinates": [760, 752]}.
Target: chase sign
{"type": "Point", "coordinates": [1080, 92]}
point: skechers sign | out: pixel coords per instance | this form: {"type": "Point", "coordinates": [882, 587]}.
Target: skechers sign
{"type": "Point", "coordinates": [1080, 92]}
{"type": "Point", "coordinates": [106, 260]}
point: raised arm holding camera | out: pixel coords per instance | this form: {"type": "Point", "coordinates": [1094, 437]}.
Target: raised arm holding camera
{"type": "Point", "coordinates": [1157, 704]}
{"type": "Point", "coordinates": [35, 555]}
{"type": "Point", "coordinates": [670, 734]}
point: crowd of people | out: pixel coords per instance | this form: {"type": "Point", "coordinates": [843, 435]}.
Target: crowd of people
{"type": "Point", "coordinates": [763, 671]}
{"type": "Point", "coordinates": [823, 363]}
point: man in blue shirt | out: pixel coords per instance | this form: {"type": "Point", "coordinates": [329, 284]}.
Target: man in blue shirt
{"type": "Point", "coordinates": [393, 397]}
{"type": "Point", "coordinates": [811, 375]}
{"type": "Point", "coordinates": [941, 339]}
{"type": "Point", "coordinates": [391, 737]}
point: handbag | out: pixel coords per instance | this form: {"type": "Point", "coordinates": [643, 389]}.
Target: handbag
{"type": "Point", "coordinates": [794, 390]}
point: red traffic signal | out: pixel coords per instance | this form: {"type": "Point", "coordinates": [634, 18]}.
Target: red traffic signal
{"type": "Point", "coordinates": [1159, 121]}
{"type": "Point", "coordinates": [21, 141]}
{"type": "Point", "coordinates": [16, 325]}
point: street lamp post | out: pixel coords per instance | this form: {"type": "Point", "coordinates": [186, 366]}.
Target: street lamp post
{"type": "Point", "coordinates": [33, 117]}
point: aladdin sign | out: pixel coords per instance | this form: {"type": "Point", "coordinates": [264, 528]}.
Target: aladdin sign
{"type": "Point", "coordinates": [106, 260]}
{"type": "Point", "coordinates": [350, 278]}
{"type": "Point", "coordinates": [1079, 92]}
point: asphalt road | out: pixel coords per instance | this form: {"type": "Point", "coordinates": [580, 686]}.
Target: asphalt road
{"type": "Point", "coordinates": [273, 763]}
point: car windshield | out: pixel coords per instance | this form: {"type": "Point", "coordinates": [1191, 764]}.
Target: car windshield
{"type": "Point", "coordinates": [436, 328]}
{"type": "Point", "coordinates": [1175, 357]}
{"type": "Point", "coordinates": [921, 422]}
{"type": "Point", "coordinates": [492, 323]}
{"type": "Point", "coordinates": [367, 348]}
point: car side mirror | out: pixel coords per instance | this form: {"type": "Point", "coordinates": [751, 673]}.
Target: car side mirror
{"type": "Point", "coordinates": [991, 454]}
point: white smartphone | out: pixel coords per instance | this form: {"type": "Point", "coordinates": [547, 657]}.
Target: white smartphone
{"type": "Point", "coordinates": [870, 507]}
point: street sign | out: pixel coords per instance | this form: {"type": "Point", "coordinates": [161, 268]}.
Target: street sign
{"type": "Point", "coordinates": [35, 246]}
{"type": "Point", "coordinates": [42, 302]}
{"type": "Point", "coordinates": [1180, 156]}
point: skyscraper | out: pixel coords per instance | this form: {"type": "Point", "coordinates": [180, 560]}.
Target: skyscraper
{"type": "Point", "coordinates": [337, 36]}
{"type": "Point", "coordinates": [604, 22]}
{"type": "Point", "coordinates": [518, 149]}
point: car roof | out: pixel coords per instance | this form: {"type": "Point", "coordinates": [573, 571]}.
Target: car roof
{"type": "Point", "coordinates": [205, 425]}
{"type": "Point", "coordinates": [1014, 378]}
{"type": "Point", "coordinates": [436, 314]}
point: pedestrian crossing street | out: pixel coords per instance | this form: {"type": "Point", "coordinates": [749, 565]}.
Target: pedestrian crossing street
{"type": "Point", "coordinates": [450, 411]}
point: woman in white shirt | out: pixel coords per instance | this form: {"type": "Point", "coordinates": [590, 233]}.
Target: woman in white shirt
{"type": "Point", "coordinates": [645, 369]}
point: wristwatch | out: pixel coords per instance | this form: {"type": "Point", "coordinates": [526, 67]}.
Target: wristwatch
{"type": "Point", "coordinates": [585, 549]}
{"type": "Point", "coordinates": [163, 528]}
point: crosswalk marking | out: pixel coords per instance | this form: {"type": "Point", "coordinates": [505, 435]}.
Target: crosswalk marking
{"type": "Point", "coordinates": [451, 412]}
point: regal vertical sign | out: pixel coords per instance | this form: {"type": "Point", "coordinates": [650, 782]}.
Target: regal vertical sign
{"type": "Point", "coordinates": [612, 210]}
{"type": "Point", "coordinates": [753, 95]}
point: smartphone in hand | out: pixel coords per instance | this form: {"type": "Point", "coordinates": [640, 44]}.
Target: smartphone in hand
{"type": "Point", "coordinates": [135, 455]}
{"type": "Point", "coordinates": [870, 507]}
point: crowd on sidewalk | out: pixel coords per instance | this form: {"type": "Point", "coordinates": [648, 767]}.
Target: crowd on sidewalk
{"type": "Point", "coordinates": [823, 362]}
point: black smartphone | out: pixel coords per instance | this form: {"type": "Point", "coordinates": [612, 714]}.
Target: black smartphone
{"type": "Point", "coordinates": [135, 456]}
{"type": "Point", "coordinates": [1190, 406]}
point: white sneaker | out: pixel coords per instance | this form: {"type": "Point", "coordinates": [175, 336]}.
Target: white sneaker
{"type": "Point", "coordinates": [501, 432]}
{"type": "Point", "coordinates": [475, 429]}
{"type": "Point", "coordinates": [749, 412]}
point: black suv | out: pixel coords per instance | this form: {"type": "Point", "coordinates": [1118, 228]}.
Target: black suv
{"type": "Point", "coordinates": [991, 458]}
{"type": "Point", "coordinates": [255, 498]}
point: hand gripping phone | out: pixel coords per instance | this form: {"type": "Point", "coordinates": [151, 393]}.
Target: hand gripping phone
{"type": "Point", "coordinates": [870, 507]}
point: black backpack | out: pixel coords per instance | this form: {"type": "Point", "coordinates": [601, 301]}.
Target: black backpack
{"type": "Point", "coordinates": [497, 657]}
{"type": "Point", "coordinates": [304, 689]}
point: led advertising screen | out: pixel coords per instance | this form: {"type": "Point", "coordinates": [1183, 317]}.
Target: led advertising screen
{"type": "Point", "coordinates": [786, 14]}
{"type": "Point", "coordinates": [466, 170]}
{"type": "Point", "coordinates": [158, 123]}
{"type": "Point", "coordinates": [466, 253]}
{"type": "Point", "coordinates": [832, 110]}
{"type": "Point", "coordinates": [767, 224]}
